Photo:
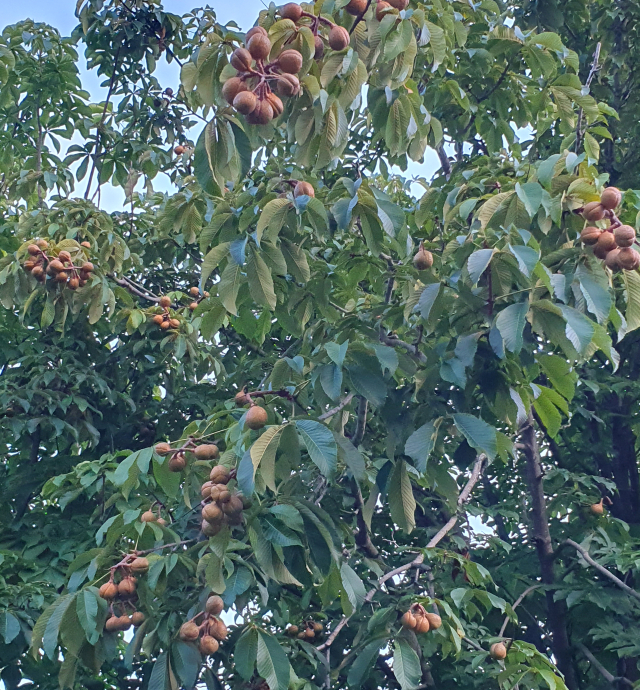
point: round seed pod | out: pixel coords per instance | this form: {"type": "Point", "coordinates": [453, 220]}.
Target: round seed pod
{"type": "Point", "coordinates": [339, 38]}
{"type": "Point", "coordinates": [288, 85]}
{"type": "Point", "coordinates": [174, 323]}
{"type": "Point", "coordinates": [219, 629]}
{"type": "Point", "coordinates": [434, 620]}
{"type": "Point", "coordinates": [290, 61]}
{"type": "Point", "coordinates": [310, 633]}
{"type": "Point", "coordinates": [212, 512]}
{"type": "Point", "coordinates": [590, 235]}
{"type": "Point", "coordinates": [85, 244]}
{"type": "Point", "coordinates": [611, 198]}
{"type": "Point", "coordinates": [245, 102]}
{"type": "Point", "coordinates": [597, 508]}
{"type": "Point", "coordinates": [61, 277]}
{"type": "Point", "coordinates": [399, 4]}
{"type": "Point", "coordinates": [292, 630]}
{"type": "Point", "coordinates": [233, 506]}
{"type": "Point", "coordinates": [600, 252]}
{"type": "Point", "coordinates": [137, 618]}
{"type": "Point", "coordinates": [165, 325]}
{"type": "Point", "coordinates": [291, 11]}
{"type": "Point", "coordinates": [255, 30]}
{"type": "Point", "coordinates": [422, 625]}
{"type": "Point", "coordinates": [611, 260]}
{"type": "Point", "coordinates": [241, 59]}
{"type": "Point", "coordinates": [383, 8]}
{"type": "Point", "coordinates": [319, 43]}
{"type": "Point", "coordinates": [234, 519]}
{"type": "Point", "coordinates": [209, 645]}
{"type": "Point", "coordinates": [224, 497]}
{"type": "Point", "coordinates": [301, 635]}
{"type": "Point", "coordinates": [162, 522]}
{"type": "Point", "coordinates": [356, 7]}
{"type": "Point", "coordinates": [255, 418]}
{"type": "Point", "coordinates": [149, 516]}
{"type": "Point", "coordinates": [209, 529]}
{"type": "Point", "coordinates": [139, 565]}
{"type": "Point", "coordinates": [162, 448]}
{"type": "Point", "coordinates": [189, 632]}
{"type": "Point", "coordinates": [276, 104]}
{"type": "Point", "coordinates": [408, 620]}
{"type": "Point", "coordinates": [112, 624]}
{"type": "Point", "coordinates": [55, 266]}
{"type": "Point", "coordinates": [241, 399]}
{"type": "Point", "coordinates": [194, 291]}
{"type": "Point", "coordinates": [38, 272]}
{"type": "Point", "coordinates": [206, 451]}
{"type": "Point", "coordinates": [303, 188]}
{"type": "Point", "coordinates": [498, 651]}
{"type": "Point", "coordinates": [43, 244]}
{"type": "Point", "coordinates": [232, 87]}
{"type": "Point", "coordinates": [259, 46]}
{"type": "Point", "coordinates": [593, 211]}
{"type": "Point", "coordinates": [87, 267]}
{"type": "Point", "coordinates": [179, 150]}
{"type": "Point", "coordinates": [127, 587]}
{"type": "Point", "coordinates": [219, 474]}
{"type": "Point", "coordinates": [165, 301]}
{"type": "Point", "coordinates": [108, 590]}
{"type": "Point", "coordinates": [624, 235]}
{"type": "Point", "coordinates": [606, 241]}
{"type": "Point", "coordinates": [262, 115]}
{"type": "Point", "coordinates": [205, 490]}
{"type": "Point", "coordinates": [64, 256]}
{"type": "Point", "coordinates": [629, 259]}
{"type": "Point", "coordinates": [214, 494]}
{"type": "Point", "coordinates": [177, 463]}
{"type": "Point", "coordinates": [33, 249]}
{"type": "Point", "coordinates": [193, 306]}
{"type": "Point", "coordinates": [158, 319]}
{"type": "Point", "coordinates": [214, 605]}
{"type": "Point", "coordinates": [28, 265]}
{"type": "Point", "coordinates": [318, 627]}
{"type": "Point", "coordinates": [74, 283]}
{"type": "Point", "coordinates": [423, 259]}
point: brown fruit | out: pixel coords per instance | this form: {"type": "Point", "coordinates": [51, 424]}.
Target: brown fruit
{"type": "Point", "coordinates": [139, 565]}
{"type": "Point", "coordinates": [189, 632]}
{"type": "Point", "coordinates": [593, 211]}
{"type": "Point", "coordinates": [291, 11]}
{"type": "Point", "coordinates": [33, 249]}
{"type": "Point", "coordinates": [597, 508]}
{"type": "Point", "coordinates": [165, 325]}
{"type": "Point", "coordinates": [177, 463]}
{"type": "Point", "coordinates": [87, 267]}
{"type": "Point", "coordinates": [255, 418]}
{"type": "Point", "coordinates": [290, 61]}
{"type": "Point", "coordinates": [86, 245]}
{"type": "Point", "coordinates": [259, 46]}
{"type": "Point", "coordinates": [288, 85]}
{"type": "Point", "coordinates": [112, 624]}
{"type": "Point", "coordinates": [207, 451]}
{"type": "Point", "coordinates": [209, 645]}
{"type": "Point", "coordinates": [165, 302]}
{"type": "Point", "coordinates": [498, 651]}
{"type": "Point", "coordinates": [382, 10]}
{"type": "Point", "coordinates": [408, 620]}
{"type": "Point", "coordinates": [292, 630]}
{"type": "Point", "coordinates": [611, 198]}
{"type": "Point", "coordinates": [319, 43]}
{"type": "Point", "coordinates": [318, 627]}
{"type": "Point", "coordinates": [301, 636]}
{"type": "Point", "coordinates": [174, 323]}
{"type": "Point", "coordinates": [158, 319]}
{"type": "Point", "coordinates": [590, 235]}
{"type": "Point", "coordinates": [399, 4]}
{"type": "Point", "coordinates": [43, 244]}
{"type": "Point", "coordinates": [434, 620]}
{"type": "Point", "coordinates": [193, 306]}
{"type": "Point", "coordinates": [233, 506]}
{"type": "Point", "coordinates": [241, 59]}
{"type": "Point", "coordinates": [55, 266]}
{"type": "Point", "coordinates": [234, 519]}
{"type": "Point", "coordinates": [253, 31]}
{"type": "Point", "coordinates": [83, 282]}
{"type": "Point", "coordinates": [74, 283]}
{"type": "Point", "coordinates": [209, 529]}
{"type": "Point", "coordinates": [179, 150]}
{"type": "Point", "coordinates": [242, 399]}
{"type": "Point", "coordinates": [303, 188]}
{"type": "Point", "coordinates": [162, 522]}
{"type": "Point", "coordinates": [127, 587]}
{"type": "Point", "coordinates": [162, 448]}
{"type": "Point", "coordinates": [219, 474]}
{"type": "Point", "coordinates": [205, 490]}
{"type": "Point", "coordinates": [194, 291]}
{"type": "Point", "coordinates": [219, 629]}
{"type": "Point", "coordinates": [28, 265]}
{"type": "Point", "coordinates": [422, 625]}
{"type": "Point", "coordinates": [339, 38]}
{"type": "Point", "coordinates": [64, 256]}
{"type": "Point", "coordinates": [356, 7]}
{"type": "Point", "coordinates": [245, 102]}
{"type": "Point", "coordinates": [61, 277]}
{"type": "Point", "coordinates": [423, 259]}
{"type": "Point", "coordinates": [137, 618]}
{"type": "Point", "coordinates": [600, 252]}
{"type": "Point", "coordinates": [629, 259]}
{"type": "Point", "coordinates": [108, 590]}
{"type": "Point", "coordinates": [215, 492]}
{"type": "Point", "coordinates": [224, 497]}
{"type": "Point", "coordinates": [149, 516]}
{"type": "Point", "coordinates": [624, 235]}
{"type": "Point", "coordinates": [611, 260]}
{"type": "Point", "coordinates": [606, 241]}
{"type": "Point", "coordinates": [262, 115]}
{"type": "Point", "coordinates": [232, 87]}
{"type": "Point", "coordinates": [37, 272]}
{"type": "Point", "coordinates": [276, 104]}
{"type": "Point", "coordinates": [214, 605]}
{"type": "Point", "coordinates": [212, 513]}
{"type": "Point", "coordinates": [310, 633]}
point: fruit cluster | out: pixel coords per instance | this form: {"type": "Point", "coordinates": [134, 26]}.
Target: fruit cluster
{"type": "Point", "coordinates": [337, 36]}
{"type": "Point", "coordinates": [256, 416]}
{"type": "Point", "coordinates": [150, 516]}
{"type": "Point", "coordinates": [178, 460]}
{"type": "Point", "coordinates": [164, 318]}
{"type": "Point", "coordinates": [418, 619]}
{"type": "Point", "coordinates": [211, 631]}
{"type": "Point", "coordinates": [423, 259]}
{"type": "Point", "coordinates": [121, 593]}
{"type": "Point", "coordinates": [195, 292]}
{"type": "Point", "coordinates": [59, 268]}
{"type": "Point", "coordinates": [308, 630]}
{"type": "Point", "coordinates": [613, 244]}
{"type": "Point", "coordinates": [220, 506]}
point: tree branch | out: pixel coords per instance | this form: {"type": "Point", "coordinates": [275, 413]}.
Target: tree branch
{"type": "Point", "coordinates": [359, 18]}
{"type": "Point", "coordinates": [361, 421]}
{"type": "Point", "coordinates": [392, 341]}
{"type": "Point", "coordinates": [334, 410]}
{"type": "Point", "coordinates": [476, 473]}
{"type": "Point", "coordinates": [123, 282]}
{"type": "Point", "coordinates": [609, 677]}
{"type": "Point", "coordinates": [516, 604]}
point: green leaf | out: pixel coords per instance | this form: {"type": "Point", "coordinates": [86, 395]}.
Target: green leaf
{"type": "Point", "coordinates": [352, 457]}
{"type": "Point", "coordinates": [478, 433]}
{"type": "Point", "coordinates": [212, 260]}
{"type": "Point", "coordinates": [420, 444]}
{"type": "Point", "coordinates": [477, 263]}
{"type": "Point", "coordinates": [428, 299]}
{"type": "Point", "coordinates": [491, 206]}
{"type": "Point", "coordinates": [272, 217]}
{"type": "Point", "coordinates": [260, 281]}
{"type": "Point", "coordinates": [510, 322]}
{"type": "Point", "coordinates": [545, 406]}
{"type": "Point", "coordinates": [560, 374]}
{"type": "Point", "coordinates": [320, 444]}
{"type": "Point", "coordinates": [296, 259]}
{"type": "Point", "coordinates": [245, 652]}
{"type": "Point", "coordinates": [406, 665]}
{"type": "Point", "coordinates": [159, 679]}
{"type": "Point", "coordinates": [229, 285]}
{"type": "Point", "coordinates": [579, 329]}
{"type": "Point", "coordinates": [52, 630]}
{"type": "Point", "coordinates": [401, 500]}
{"type": "Point", "coordinates": [87, 608]}
{"type": "Point", "coordinates": [632, 315]}
{"type": "Point", "coordinates": [9, 626]}
{"type": "Point", "coordinates": [272, 662]}
{"type": "Point", "coordinates": [264, 451]}
{"type": "Point", "coordinates": [186, 662]}
{"type": "Point", "coordinates": [364, 663]}
{"type": "Point", "coordinates": [371, 386]}
{"type": "Point", "coordinates": [595, 288]}
{"type": "Point", "coordinates": [353, 586]}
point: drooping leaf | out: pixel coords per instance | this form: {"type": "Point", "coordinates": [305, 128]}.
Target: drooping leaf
{"type": "Point", "coordinates": [401, 500]}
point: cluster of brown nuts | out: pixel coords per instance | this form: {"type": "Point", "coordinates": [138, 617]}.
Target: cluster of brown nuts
{"type": "Point", "coordinates": [256, 416]}
{"type": "Point", "coordinates": [613, 244]}
{"type": "Point", "coordinates": [120, 592]}
{"type": "Point", "coordinates": [418, 619]}
{"type": "Point", "coordinates": [211, 631]}
{"type": "Point", "coordinates": [337, 36]}
{"type": "Point", "coordinates": [164, 318]}
{"type": "Point", "coordinates": [220, 506]}
{"type": "Point", "coordinates": [423, 259]}
{"type": "Point", "coordinates": [195, 292]}
{"type": "Point", "coordinates": [307, 630]}
{"type": "Point", "coordinates": [178, 460]}
{"type": "Point", "coordinates": [59, 268]}
{"type": "Point", "coordinates": [150, 516]}
{"type": "Point", "coordinates": [384, 7]}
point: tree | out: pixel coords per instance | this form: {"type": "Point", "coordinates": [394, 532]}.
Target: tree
{"type": "Point", "coordinates": [395, 433]}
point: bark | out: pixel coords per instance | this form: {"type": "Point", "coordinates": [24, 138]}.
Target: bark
{"type": "Point", "coordinates": [625, 464]}
{"type": "Point", "coordinates": [541, 537]}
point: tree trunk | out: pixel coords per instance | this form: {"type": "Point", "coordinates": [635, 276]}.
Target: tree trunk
{"type": "Point", "coordinates": [556, 610]}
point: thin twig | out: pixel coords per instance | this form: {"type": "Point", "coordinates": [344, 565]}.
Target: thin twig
{"type": "Point", "coordinates": [392, 341]}
{"type": "Point", "coordinates": [334, 410]}
{"type": "Point", "coordinates": [123, 282]}
{"type": "Point", "coordinates": [515, 605]}
{"type": "Point", "coordinates": [166, 546]}
{"type": "Point", "coordinates": [609, 677]}
{"type": "Point", "coordinates": [359, 18]}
